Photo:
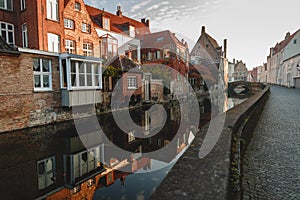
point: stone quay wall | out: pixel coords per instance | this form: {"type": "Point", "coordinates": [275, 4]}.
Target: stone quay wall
{"type": "Point", "coordinates": [216, 176]}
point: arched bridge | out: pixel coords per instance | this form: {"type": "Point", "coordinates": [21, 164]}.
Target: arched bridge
{"type": "Point", "coordinates": [243, 88]}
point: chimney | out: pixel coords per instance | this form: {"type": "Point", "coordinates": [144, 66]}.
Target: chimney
{"type": "Point", "coordinates": [288, 34]}
{"type": "Point", "coordinates": [182, 41]}
{"type": "Point", "coordinates": [143, 20]}
{"type": "Point", "coordinates": [225, 48]}
{"type": "Point", "coordinates": [119, 11]}
{"type": "Point", "coordinates": [148, 23]}
{"type": "Point", "coordinates": [233, 61]}
{"type": "Point", "coordinates": [202, 30]}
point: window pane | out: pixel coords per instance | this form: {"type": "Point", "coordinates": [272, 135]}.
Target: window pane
{"type": "Point", "coordinates": [37, 81]}
{"type": "Point", "coordinates": [73, 67]}
{"type": "Point", "coordinates": [49, 165]}
{"type": "Point", "coordinates": [1, 3]}
{"type": "Point", "coordinates": [88, 68]}
{"type": "Point", "coordinates": [46, 81]}
{"type": "Point", "coordinates": [9, 4]}
{"type": "Point", "coordinates": [36, 65]}
{"type": "Point", "coordinates": [73, 79]}
{"type": "Point", "coordinates": [41, 168]}
{"type": "Point", "coordinates": [10, 37]}
{"type": "Point", "coordinates": [3, 34]}
{"type": "Point", "coordinates": [45, 65]}
{"type": "Point", "coordinates": [89, 80]}
{"type": "Point", "coordinates": [81, 80]}
{"type": "Point", "coordinates": [81, 68]}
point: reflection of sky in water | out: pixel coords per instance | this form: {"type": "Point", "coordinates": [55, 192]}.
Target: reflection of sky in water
{"type": "Point", "coordinates": [142, 183]}
{"type": "Point", "coordinates": [137, 186]}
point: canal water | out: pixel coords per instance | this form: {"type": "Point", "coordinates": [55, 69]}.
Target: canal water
{"type": "Point", "coordinates": [55, 162]}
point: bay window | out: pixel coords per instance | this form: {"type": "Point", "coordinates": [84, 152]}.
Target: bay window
{"type": "Point", "coordinates": [84, 74]}
{"type": "Point", "coordinates": [109, 47]}
{"type": "Point", "coordinates": [42, 74]}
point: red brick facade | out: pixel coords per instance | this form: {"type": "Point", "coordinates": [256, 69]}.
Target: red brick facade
{"type": "Point", "coordinates": [20, 106]}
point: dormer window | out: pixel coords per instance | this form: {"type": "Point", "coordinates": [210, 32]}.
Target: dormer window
{"type": "Point", "coordinates": [77, 6]}
{"type": "Point", "coordinates": [131, 31]}
{"type": "Point", "coordinates": [106, 23]}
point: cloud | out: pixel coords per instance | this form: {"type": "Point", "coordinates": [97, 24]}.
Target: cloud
{"type": "Point", "coordinates": [156, 10]}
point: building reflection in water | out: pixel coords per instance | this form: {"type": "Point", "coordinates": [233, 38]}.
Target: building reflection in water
{"type": "Point", "coordinates": [51, 162]}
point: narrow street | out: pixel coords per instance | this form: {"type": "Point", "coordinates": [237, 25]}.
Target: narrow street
{"type": "Point", "coordinates": [272, 160]}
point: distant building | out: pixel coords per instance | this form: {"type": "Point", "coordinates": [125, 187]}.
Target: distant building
{"type": "Point", "coordinates": [207, 52]}
{"type": "Point", "coordinates": [283, 62]}
{"type": "Point", "coordinates": [240, 71]}
{"type": "Point", "coordinates": [252, 75]}
{"type": "Point", "coordinates": [262, 73]}
{"type": "Point", "coordinates": [289, 74]}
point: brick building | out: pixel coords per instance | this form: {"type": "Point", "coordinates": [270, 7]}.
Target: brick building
{"type": "Point", "coordinates": [240, 71]}
{"type": "Point", "coordinates": [209, 53]}
{"type": "Point", "coordinates": [30, 90]}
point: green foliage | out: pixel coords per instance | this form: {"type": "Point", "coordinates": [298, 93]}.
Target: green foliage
{"type": "Point", "coordinates": [111, 71]}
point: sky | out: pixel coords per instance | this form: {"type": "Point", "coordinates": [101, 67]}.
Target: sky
{"type": "Point", "coordinates": [251, 27]}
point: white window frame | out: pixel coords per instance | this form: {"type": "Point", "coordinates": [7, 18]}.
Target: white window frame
{"type": "Point", "coordinates": [131, 31]}
{"type": "Point", "coordinates": [41, 74]}
{"type": "Point", "coordinates": [69, 23]}
{"type": "Point", "coordinates": [48, 172]}
{"type": "Point", "coordinates": [132, 82]}
{"type": "Point", "coordinates": [52, 10]}
{"type": "Point", "coordinates": [53, 42]}
{"type": "Point", "coordinates": [7, 31]}
{"type": "Point", "coordinates": [131, 137]}
{"type": "Point", "coordinates": [6, 4]}
{"type": "Point", "coordinates": [87, 49]}
{"type": "Point", "coordinates": [106, 23]}
{"type": "Point", "coordinates": [70, 46]}
{"type": "Point", "coordinates": [25, 35]}
{"type": "Point", "coordinates": [86, 28]}
{"type": "Point", "coordinates": [76, 6]}
{"type": "Point", "coordinates": [95, 73]}
{"type": "Point", "coordinates": [23, 4]}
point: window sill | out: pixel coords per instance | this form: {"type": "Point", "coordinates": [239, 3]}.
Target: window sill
{"type": "Point", "coordinates": [4, 9]}
{"type": "Point", "coordinates": [42, 90]}
{"type": "Point", "coordinates": [53, 20]}
{"type": "Point", "coordinates": [132, 88]}
{"type": "Point", "coordinates": [84, 88]}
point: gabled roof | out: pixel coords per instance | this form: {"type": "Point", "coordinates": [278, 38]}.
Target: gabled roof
{"type": "Point", "coordinates": [118, 24]}
{"type": "Point", "coordinates": [122, 62]}
{"type": "Point", "coordinates": [6, 48]}
{"type": "Point", "coordinates": [160, 40]}
{"type": "Point", "coordinates": [212, 41]}
{"type": "Point", "coordinates": [279, 46]}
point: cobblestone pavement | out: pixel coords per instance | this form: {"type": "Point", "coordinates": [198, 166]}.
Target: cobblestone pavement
{"type": "Point", "coordinates": [272, 160]}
